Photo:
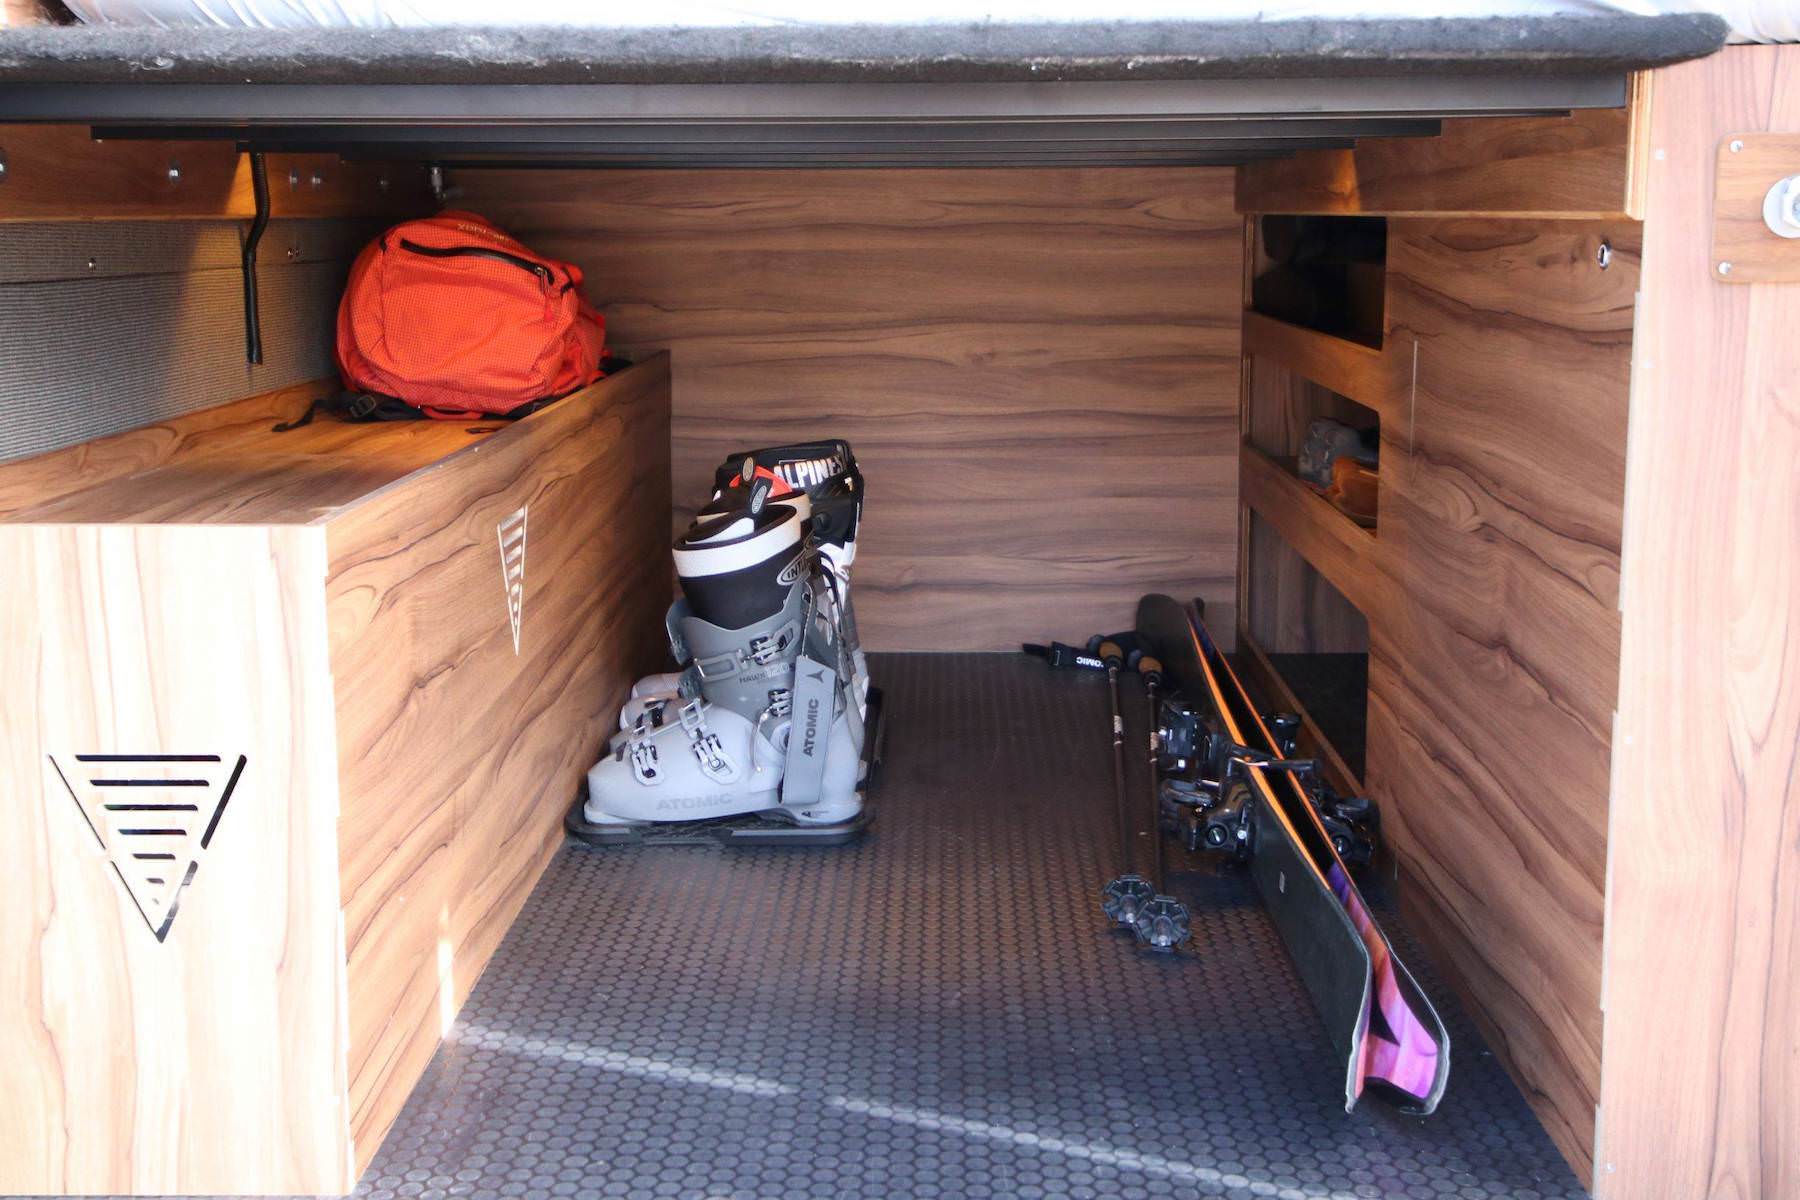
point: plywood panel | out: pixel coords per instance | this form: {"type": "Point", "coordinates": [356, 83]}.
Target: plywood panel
{"type": "Point", "coordinates": [204, 1059]}
{"type": "Point", "coordinates": [1294, 610]}
{"type": "Point", "coordinates": [59, 172]}
{"type": "Point", "coordinates": [416, 694]}
{"type": "Point", "coordinates": [1587, 164]}
{"type": "Point", "coordinates": [1494, 649]}
{"type": "Point", "coordinates": [46, 478]}
{"type": "Point", "coordinates": [1700, 1095]}
{"type": "Point", "coordinates": [1343, 552]}
{"type": "Point", "coordinates": [1361, 373]}
{"type": "Point", "coordinates": [1037, 368]}
{"type": "Point", "coordinates": [1281, 405]}
{"type": "Point", "coordinates": [463, 752]}
{"type": "Point", "coordinates": [302, 476]}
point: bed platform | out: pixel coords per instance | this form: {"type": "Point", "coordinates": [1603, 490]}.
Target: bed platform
{"type": "Point", "coordinates": [291, 723]}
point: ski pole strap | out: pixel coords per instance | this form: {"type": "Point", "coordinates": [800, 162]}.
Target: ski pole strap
{"type": "Point", "coordinates": [814, 704]}
{"type": "Point", "coordinates": [1062, 657]}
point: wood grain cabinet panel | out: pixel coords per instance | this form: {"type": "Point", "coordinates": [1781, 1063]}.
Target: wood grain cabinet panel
{"type": "Point", "coordinates": [1494, 663]}
{"type": "Point", "coordinates": [1700, 1095]}
{"type": "Point", "coordinates": [285, 750]}
{"type": "Point", "coordinates": [1037, 367]}
{"type": "Point", "coordinates": [1581, 715]}
{"type": "Point", "coordinates": [1491, 593]}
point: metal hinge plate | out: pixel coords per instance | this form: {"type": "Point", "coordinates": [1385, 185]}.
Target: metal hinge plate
{"type": "Point", "coordinates": [1756, 209]}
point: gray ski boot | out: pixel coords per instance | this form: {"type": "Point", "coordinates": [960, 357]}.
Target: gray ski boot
{"type": "Point", "coordinates": [821, 479]}
{"type": "Point", "coordinates": [760, 736]}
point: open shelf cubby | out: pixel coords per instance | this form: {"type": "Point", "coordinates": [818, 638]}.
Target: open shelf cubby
{"type": "Point", "coordinates": [1311, 644]}
{"type": "Point", "coordinates": [1323, 273]}
{"type": "Point", "coordinates": [1280, 411]}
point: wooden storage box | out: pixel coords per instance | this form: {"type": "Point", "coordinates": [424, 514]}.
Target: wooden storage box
{"type": "Point", "coordinates": [290, 723]}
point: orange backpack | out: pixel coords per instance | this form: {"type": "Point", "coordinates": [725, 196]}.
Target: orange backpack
{"type": "Point", "coordinates": [457, 319]}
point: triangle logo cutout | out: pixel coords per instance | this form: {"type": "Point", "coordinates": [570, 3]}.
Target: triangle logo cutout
{"type": "Point", "coordinates": [512, 569]}
{"type": "Point", "coordinates": [153, 815]}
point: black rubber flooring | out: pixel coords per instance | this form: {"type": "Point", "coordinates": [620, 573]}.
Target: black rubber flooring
{"type": "Point", "coordinates": [938, 1011]}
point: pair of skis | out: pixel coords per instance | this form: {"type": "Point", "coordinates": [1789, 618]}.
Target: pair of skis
{"type": "Point", "coordinates": [1374, 1011]}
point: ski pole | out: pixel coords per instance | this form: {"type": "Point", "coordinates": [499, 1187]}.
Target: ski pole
{"type": "Point", "coordinates": [1151, 671]}
{"type": "Point", "coordinates": [1125, 896]}
{"type": "Point", "coordinates": [1114, 658]}
{"type": "Point", "coordinates": [1162, 923]}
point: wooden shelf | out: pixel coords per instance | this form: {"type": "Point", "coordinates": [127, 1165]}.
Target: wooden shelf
{"type": "Point", "coordinates": [1290, 465]}
{"type": "Point", "coordinates": [1338, 548]}
{"type": "Point", "coordinates": [1347, 368]}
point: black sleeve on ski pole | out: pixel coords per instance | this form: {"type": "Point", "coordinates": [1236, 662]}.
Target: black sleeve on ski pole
{"type": "Point", "coordinates": [1063, 657]}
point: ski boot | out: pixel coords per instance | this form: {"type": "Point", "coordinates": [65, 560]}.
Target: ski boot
{"type": "Point", "coordinates": [754, 593]}
{"type": "Point", "coordinates": [821, 480]}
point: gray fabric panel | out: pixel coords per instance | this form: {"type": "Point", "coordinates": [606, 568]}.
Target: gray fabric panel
{"type": "Point", "coordinates": [156, 329]}
{"type": "Point", "coordinates": [37, 251]}
{"type": "Point", "coordinates": [874, 53]}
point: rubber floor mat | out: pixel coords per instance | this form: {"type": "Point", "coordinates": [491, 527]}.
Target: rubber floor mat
{"type": "Point", "coordinates": [937, 1011]}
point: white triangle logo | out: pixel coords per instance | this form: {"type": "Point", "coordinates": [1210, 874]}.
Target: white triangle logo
{"type": "Point", "coordinates": [512, 569]}
{"type": "Point", "coordinates": [154, 816]}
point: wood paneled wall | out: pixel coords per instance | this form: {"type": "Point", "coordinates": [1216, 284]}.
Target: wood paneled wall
{"type": "Point", "coordinates": [1495, 651]}
{"type": "Point", "coordinates": [459, 749]}
{"type": "Point", "coordinates": [1295, 609]}
{"type": "Point", "coordinates": [1038, 368]}
{"type": "Point", "coordinates": [1491, 590]}
{"type": "Point", "coordinates": [1701, 1092]}
{"type": "Point", "coordinates": [1587, 164]}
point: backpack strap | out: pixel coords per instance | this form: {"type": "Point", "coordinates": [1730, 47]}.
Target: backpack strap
{"type": "Point", "coordinates": [358, 407]}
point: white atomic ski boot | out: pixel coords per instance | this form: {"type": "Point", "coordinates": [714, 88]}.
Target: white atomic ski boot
{"type": "Point", "coordinates": [821, 479]}
{"type": "Point", "coordinates": [772, 729]}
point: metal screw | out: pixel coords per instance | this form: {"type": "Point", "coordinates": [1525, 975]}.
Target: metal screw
{"type": "Point", "coordinates": [92, 264]}
{"type": "Point", "coordinates": [1737, 145]}
{"type": "Point", "coordinates": [294, 178]}
{"type": "Point", "coordinates": [382, 183]}
{"type": "Point", "coordinates": [293, 252]}
{"type": "Point", "coordinates": [174, 171]}
{"type": "Point", "coordinates": [2, 166]}
{"type": "Point", "coordinates": [1603, 255]}
{"type": "Point", "coordinates": [1724, 268]}
{"type": "Point", "coordinates": [318, 180]}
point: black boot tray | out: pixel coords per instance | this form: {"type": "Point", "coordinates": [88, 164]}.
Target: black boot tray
{"type": "Point", "coordinates": [751, 829]}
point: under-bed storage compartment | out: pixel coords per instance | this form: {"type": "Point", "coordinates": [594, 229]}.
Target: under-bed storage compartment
{"type": "Point", "coordinates": [307, 708]}
{"type": "Point", "coordinates": [1068, 386]}
{"type": "Point", "coordinates": [1309, 649]}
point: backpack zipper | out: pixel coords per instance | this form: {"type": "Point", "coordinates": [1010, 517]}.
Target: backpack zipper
{"type": "Point", "coordinates": [524, 264]}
